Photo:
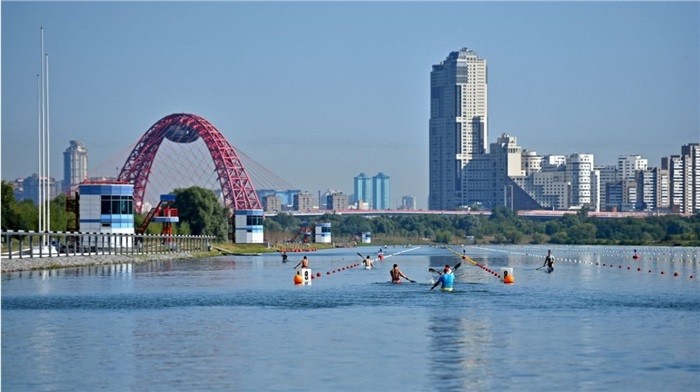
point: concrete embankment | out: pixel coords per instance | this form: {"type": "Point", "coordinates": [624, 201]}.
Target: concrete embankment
{"type": "Point", "coordinates": [35, 263]}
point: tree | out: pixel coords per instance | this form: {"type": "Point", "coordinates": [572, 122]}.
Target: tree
{"type": "Point", "coordinates": [201, 209]}
{"type": "Point", "coordinates": [9, 219]}
{"type": "Point", "coordinates": [582, 233]}
{"type": "Point", "coordinates": [26, 215]}
{"type": "Point", "coordinates": [59, 216]}
{"type": "Point", "coordinates": [443, 236]}
{"type": "Point", "coordinates": [286, 221]}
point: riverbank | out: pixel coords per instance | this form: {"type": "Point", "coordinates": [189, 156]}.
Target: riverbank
{"type": "Point", "coordinates": [36, 263]}
{"type": "Point", "coordinates": [68, 261]}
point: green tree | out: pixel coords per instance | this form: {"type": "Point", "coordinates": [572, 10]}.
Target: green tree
{"type": "Point", "coordinates": [59, 216]}
{"type": "Point", "coordinates": [201, 209]}
{"type": "Point", "coordinates": [443, 237]}
{"type": "Point", "coordinates": [183, 228]}
{"type": "Point", "coordinates": [9, 219]}
{"type": "Point", "coordinates": [26, 214]}
{"type": "Point", "coordinates": [286, 221]}
{"type": "Point", "coordinates": [582, 233]}
{"type": "Point", "coordinates": [678, 226]}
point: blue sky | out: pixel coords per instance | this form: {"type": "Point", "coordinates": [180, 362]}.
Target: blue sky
{"type": "Point", "coordinates": [318, 92]}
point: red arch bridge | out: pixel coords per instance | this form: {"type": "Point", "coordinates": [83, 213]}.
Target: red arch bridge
{"type": "Point", "coordinates": [236, 187]}
{"type": "Point", "coordinates": [237, 190]}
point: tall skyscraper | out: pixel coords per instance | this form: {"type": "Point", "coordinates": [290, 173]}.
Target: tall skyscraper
{"type": "Point", "coordinates": [579, 171]}
{"type": "Point", "coordinates": [675, 165]}
{"type": "Point", "coordinates": [381, 192]}
{"type": "Point", "coordinates": [363, 188]}
{"type": "Point", "coordinates": [75, 169]}
{"type": "Point", "coordinates": [691, 197]}
{"type": "Point", "coordinates": [458, 129]}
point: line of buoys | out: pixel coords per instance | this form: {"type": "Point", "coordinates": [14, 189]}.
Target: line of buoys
{"type": "Point", "coordinates": [671, 254]}
{"type": "Point", "coordinates": [662, 272]}
{"type": "Point", "coordinates": [301, 278]}
{"type": "Point", "coordinates": [507, 277]}
{"type": "Point", "coordinates": [297, 250]}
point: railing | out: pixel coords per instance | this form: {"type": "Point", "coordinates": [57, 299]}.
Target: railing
{"type": "Point", "coordinates": [21, 244]}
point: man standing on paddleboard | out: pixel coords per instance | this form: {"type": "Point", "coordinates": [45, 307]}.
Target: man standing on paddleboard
{"type": "Point", "coordinates": [549, 262]}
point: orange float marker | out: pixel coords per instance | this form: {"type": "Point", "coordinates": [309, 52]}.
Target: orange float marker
{"type": "Point", "coordinates": [298, 279]}
{"type": "Point", "coordinates": [507, 275]}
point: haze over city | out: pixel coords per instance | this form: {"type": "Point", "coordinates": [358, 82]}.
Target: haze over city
{"type": "Point", "coordinates": [320, 92]}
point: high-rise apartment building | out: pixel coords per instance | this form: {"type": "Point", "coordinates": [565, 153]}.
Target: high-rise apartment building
{"type": "Point", "coordinates": [627, 166]}
{"type": "Point", "coordinates": [336, 200]}
{"type": "Point", "coordinates": [505, 162]}
{"type": "Point", "coordinates": [408, 203]}
{"type": "Point", "coordinates": [381, 192]}
{"type": "Point", "coordinates": [531, 162]}
{"type": "Point", "coordinates": [691, 197]}
{"type": "Point", "coordinates": [31, 185]}
{"type": "Point", "coordinates": [75, 165]}
{"type": "Point", "coordinates": [674, 165]}
{"type": "Point", "coordinates": [646, 190]}
{"type": "Point", "coordinates": [684, 179]}
{"type": "Point", "coordinates": [579, 170]}
{"type": "Point", "coordinates": [303, 202]}
{"type": "Point", "coordinates": [362, 187]}
{"type": "Point", "coordinates": [272, 203]}
{"type": "Point", "coordinates": [608, 176]}
{"type": "Point", "coordinates": [458, 131]}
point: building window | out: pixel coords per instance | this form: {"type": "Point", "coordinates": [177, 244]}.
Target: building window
{"type": "Point", "coordinates": [117, 205]}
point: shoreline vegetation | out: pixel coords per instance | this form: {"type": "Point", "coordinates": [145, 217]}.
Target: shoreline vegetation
{"type": "Point", "coordinates": [501, 227]}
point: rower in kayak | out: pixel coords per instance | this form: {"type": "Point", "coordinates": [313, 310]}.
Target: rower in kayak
{"type": "Point", "coordinates": [368, 263]}
{"type": "Point", "coordinates": [396, 275]}
{"type": "Point", "coordinates": [446, 279]}
{"type": "Point", "coordinates": [304, 263]}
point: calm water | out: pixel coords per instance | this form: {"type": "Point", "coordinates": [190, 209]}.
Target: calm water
{"type": "Point", "coordinates": [238, 323]}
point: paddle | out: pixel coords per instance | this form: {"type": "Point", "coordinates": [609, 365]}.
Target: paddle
{"type": "Point", "coordinates": [434, 270]}
{"type": "Point", "coordinates": [453, 269]}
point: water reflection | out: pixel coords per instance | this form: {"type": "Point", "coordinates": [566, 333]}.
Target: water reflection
{"type": "Point", "coordinates": [459, 351]}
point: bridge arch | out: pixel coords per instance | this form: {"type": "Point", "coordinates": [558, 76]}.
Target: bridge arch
{"type": "Point", "coordinates": [237, 189]}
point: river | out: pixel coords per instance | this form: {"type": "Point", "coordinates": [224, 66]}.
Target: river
{"type": "Point", "coordinates": [600, 321]}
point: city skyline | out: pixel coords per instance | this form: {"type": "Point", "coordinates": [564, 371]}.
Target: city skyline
{"type": "Point", "coordinates": [350, 77]}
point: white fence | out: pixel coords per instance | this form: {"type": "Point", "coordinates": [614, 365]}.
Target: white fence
{"type": "Point", "coordinates": [20, 244]}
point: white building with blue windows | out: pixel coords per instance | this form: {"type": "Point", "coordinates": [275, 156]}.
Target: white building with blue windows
{"type": "Point", "coordinates": [106, 208]}
{"type": "Point", "coordinates": [248, 225]}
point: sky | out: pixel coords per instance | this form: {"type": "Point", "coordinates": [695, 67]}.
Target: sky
{"type": "Point", "coordinates": [319, 92]}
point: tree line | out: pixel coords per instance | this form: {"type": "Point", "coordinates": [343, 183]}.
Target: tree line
{"type": "Point", "coordinates": [504, 226]}
{"type": "Point", "coordinates": [201, 213]}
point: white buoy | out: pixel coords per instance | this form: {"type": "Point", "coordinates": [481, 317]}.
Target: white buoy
{"type": "Point", "coordinates": [306, 276]}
